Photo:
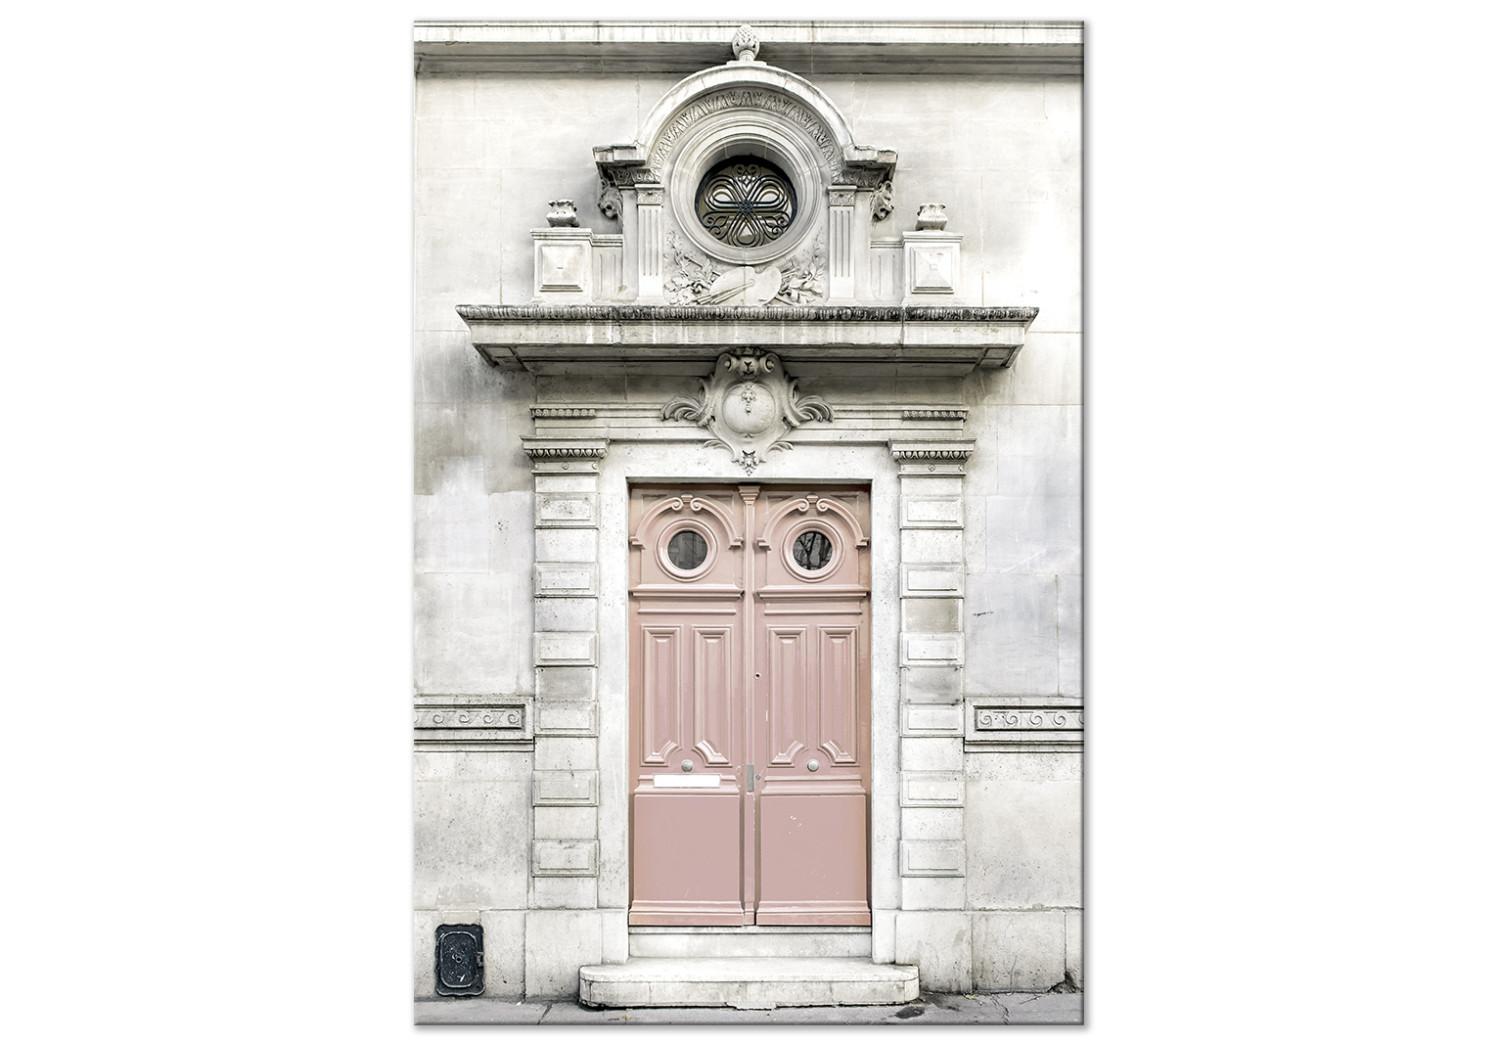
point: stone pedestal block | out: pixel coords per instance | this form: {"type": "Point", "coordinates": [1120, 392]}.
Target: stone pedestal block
{"type": "Point", "coordinates": [564, 265]}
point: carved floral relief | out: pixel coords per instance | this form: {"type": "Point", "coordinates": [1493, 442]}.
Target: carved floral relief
{"type": "Point", "coordinates": [792, 281]}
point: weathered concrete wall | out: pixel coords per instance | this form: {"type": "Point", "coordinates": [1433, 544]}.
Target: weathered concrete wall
{"type": "Point", "coordinates": [1003, 153]}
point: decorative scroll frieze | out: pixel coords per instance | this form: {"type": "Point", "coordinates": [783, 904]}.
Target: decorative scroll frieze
{"type": "Point", "coordinates": [749, 405]}
{"type": "Point", "coordinates": [562, 412]}
{"type": "Point", "coordinates": [457, 721]}
{"type": "Point", "coordinates": [1020, 718]}
{"type": "Point", "coordinates": [1024, 728]}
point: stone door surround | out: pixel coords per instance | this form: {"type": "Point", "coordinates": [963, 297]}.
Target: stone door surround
{"type": "Point", "coordinates": [580, 847]}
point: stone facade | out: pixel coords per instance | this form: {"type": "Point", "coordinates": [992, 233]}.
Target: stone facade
{"type": "Point", "coordinates": [929, 313]}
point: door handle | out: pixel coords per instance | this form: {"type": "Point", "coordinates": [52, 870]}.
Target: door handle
{"type": "Point", "coordinates": [749, 777]}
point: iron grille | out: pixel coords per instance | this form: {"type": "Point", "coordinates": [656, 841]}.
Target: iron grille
{"type": "Point", "coordinates": [746, 203]}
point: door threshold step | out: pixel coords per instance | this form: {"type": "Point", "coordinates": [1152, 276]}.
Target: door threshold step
{"type": "Point", "coordinates": [744, 930]}
{"type": "Point", "coordinates": [747, 983]}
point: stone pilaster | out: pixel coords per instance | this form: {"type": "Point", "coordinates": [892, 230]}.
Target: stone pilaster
{"type": "Point", "coordinates": [649, 243]}
{"type": "Point", "coordinates": [844, 245]}
{"type": "Point", "coordinates": [932, 852]}
{"type": "Point", "coordinates": [565, 604]}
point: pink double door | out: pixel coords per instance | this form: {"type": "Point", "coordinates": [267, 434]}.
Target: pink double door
{"type": "Point", "coordinates": [750, 696]}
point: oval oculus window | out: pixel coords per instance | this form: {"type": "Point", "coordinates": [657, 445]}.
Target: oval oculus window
{"type": "Point", "coordinates": [746, 202]}
{"type": "Point", "coordinates": [812, 551]}
{"type": "Point", "coordinates": [687, 550]}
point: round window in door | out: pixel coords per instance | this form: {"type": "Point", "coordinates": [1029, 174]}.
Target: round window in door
{"type": "Point", "coordinates": [812, 551]}
{"type": "Point", "coordinates": [687, 550]}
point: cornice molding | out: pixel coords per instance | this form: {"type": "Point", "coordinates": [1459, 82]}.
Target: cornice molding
{"type": "Point", "coordinates": [934, 414]}
{"type": "Point", "coordinates": [530, 336]}
{"type": "Point", "coordinates": [931, 451]}
{"type": "Point", "coordinates": [563, 412]}
{"type": "Point", "coordinates": [872, 47]}
{"type": "Point", "coordinates": [559, 448]}
{"type": "Point", "coordinates": [719, 313]}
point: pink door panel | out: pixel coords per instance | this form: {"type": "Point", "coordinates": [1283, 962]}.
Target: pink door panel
{"type": "Point", "coordinates": [812, 625]}
{"type": "Point", "coordinates": [812, 854]}
{"type": "Point", "coordinates": [750, 691]}
{"type": "Point", "coordinates": [688, 734]}
{"type": "Point", "coordinates": [686, 859]}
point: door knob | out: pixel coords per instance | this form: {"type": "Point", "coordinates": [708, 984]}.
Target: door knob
{"type": "Point", "coordinates": [687, 765]}
{"type": "Point", "coordinates": [812, 765]}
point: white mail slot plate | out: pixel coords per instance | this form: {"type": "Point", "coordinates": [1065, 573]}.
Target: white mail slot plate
{"type": "Point", "coordinates": [685, 781]}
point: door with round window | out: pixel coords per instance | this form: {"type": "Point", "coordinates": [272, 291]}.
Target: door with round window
{"type": "Point", "coordinates": [750, 698]}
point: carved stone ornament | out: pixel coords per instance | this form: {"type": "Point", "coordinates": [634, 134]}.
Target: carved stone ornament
{"type": "Point", "coordinates": [932, 217]}
{"type": "Point", "coordinates": [791, 281]}
{"type": "Point", "coordinates": [749, 405]}
{"type": "Point", "coordinates": [746, 45]}
{"type": "Point", "coordinates": [609, 199]}
{"type": "Point", "coordinates": [564, 214]}
{"type": "Point", "coordinates": [881, 203]}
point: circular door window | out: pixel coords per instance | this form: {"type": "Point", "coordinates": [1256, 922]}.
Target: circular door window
{"type": "Point", "coordinates": [687, 550]}
{"type": "Point", "coordinates": [812, 550]}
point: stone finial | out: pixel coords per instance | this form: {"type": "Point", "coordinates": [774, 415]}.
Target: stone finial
{"type": "Point", "coordinates": [746, 45]}
{"type": "Point", "coordinates": [932, 217]}
{"type": "Point", "coordinates": [564, 214]}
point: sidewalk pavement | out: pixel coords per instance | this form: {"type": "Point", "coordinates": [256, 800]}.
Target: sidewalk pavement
{"type": "Point", "coordinates": [930, 1008]}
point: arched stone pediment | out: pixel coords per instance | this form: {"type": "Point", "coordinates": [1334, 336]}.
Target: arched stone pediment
{"type": "Point", "coordinates": [789, 224]}
{"type": "Point", "coordinates": [746, 89]}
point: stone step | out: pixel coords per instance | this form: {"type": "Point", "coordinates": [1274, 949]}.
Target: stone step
{"type": "Point", "coordinates": [746, 983]}
{"type": "Point", "coordinates": [738, 942]}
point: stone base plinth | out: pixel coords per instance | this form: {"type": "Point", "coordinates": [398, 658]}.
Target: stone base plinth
{"type": "Point", "coordinates": [746, 983]}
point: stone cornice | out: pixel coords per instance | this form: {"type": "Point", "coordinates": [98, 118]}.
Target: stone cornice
{"type": "Point", "coordinates": [715, 313]}
{"type": "Point", "coordinates": [536, 336]}
{"type": "Point", "coordinates": [835, 46]}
